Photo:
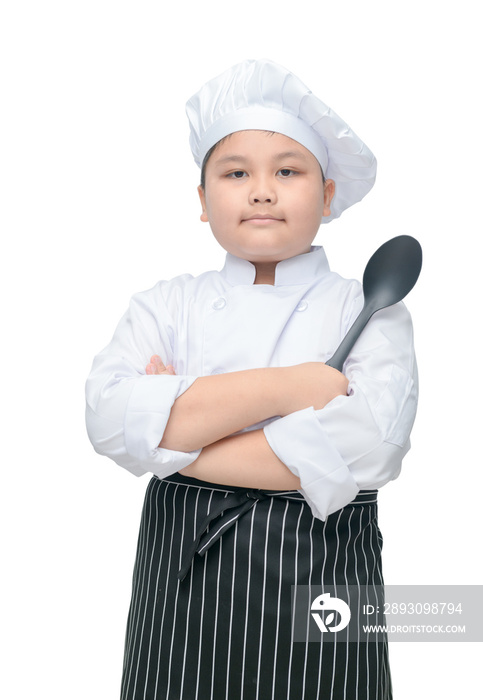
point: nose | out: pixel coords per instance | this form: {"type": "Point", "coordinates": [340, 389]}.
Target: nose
{"type": "Point", "coordinates": [262, 192]}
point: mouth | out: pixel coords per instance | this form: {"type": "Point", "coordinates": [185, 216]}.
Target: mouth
{"type": "Point", "coordinates": [256, 218]}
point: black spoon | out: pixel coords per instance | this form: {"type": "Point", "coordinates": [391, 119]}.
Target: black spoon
{"type": "Point", "coordinates": [390, 274]}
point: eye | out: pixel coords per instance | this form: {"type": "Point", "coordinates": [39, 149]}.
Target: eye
{"type": "Point", "coordinates": [286, 172]}
{"type": "Point", "coordinates": [237, 174]}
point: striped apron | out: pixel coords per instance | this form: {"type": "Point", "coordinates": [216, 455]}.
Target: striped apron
{"type": "Point", "coordinates": [210, 614]}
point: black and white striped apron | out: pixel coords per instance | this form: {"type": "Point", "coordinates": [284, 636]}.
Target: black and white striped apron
{"type": "Point", "coordinates": [210, 615]}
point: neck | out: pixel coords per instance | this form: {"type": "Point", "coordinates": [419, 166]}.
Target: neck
{"type": "Point", "coordinates": [265, 273]}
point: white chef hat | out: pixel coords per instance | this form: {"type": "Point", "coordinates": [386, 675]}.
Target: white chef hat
{"type": "Point", "coordinates": [263, 95]}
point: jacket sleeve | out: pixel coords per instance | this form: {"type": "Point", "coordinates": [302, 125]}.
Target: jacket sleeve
{"type": "Point", "coordinates": [357, 442]}
{"type": "Point", "coordinates": [127, 410]}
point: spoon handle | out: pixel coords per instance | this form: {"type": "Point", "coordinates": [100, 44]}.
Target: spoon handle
{"type": "Point", "coordinates": [339, 357]}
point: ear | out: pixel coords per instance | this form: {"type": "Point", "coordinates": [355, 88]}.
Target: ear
{"type": "Point", "coordinates": [201, 194]}
{"type": "Point", "coordinates": [329, 191]}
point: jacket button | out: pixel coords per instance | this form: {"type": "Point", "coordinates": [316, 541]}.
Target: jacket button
{"type": "Point", "coordinates": [219, 303]}
{"type": "Point", "coordinates": [302, 305]}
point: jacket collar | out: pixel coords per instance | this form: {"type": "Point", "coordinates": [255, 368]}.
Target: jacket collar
{"type": "Point", "coordinates": [302, 269]}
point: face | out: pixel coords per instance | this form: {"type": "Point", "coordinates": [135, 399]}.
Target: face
{"type": "Point", "coordinates": [264, 196]}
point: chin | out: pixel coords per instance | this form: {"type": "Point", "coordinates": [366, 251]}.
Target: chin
{"type": "Point", "coordinates": [264, 257]}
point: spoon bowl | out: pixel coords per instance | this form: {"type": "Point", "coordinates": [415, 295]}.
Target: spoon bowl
{"type": "Point", "coordinates": [390, 274]}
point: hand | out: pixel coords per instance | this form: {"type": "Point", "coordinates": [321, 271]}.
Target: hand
{"type": "Point", "coordinates": [311, 384]}
{"type": "Point", "coordinates": [156, 366]}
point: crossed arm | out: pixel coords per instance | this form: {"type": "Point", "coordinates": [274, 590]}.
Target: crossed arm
{"type": "Point", "coordinates": [208, 414]}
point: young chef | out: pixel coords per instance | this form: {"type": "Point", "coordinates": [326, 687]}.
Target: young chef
{"type": "Point", "coordinates": [266, 462]}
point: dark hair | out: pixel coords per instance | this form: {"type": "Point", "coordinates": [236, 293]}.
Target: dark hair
{"type": "Point", "coordinates": [205, 161]}
{"type": "Point", "coordinates": [210, 153]}
{"type": "Point", "coordinates": [207, 158]}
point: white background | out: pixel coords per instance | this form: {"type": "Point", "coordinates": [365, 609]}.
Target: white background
{"type": "Point", "coordinates": [98, 201]}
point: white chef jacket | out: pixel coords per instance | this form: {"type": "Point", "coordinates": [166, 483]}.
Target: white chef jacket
{"type": "Point", "coordinates": [221, 322]}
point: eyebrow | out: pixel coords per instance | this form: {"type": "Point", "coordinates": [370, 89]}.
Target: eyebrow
{"type": "Point", "coordinates": [234, 158]}
{"type": "Point", "coordinates": [290, 154]}
{"type": "Point", "coordinates": [231, 158]}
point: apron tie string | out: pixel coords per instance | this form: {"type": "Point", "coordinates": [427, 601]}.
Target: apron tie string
{"type": "Point", "coordinates": [233, 507]}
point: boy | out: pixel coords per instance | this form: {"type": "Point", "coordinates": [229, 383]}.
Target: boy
{"type": "Point", "coordinates": [266, 461]}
